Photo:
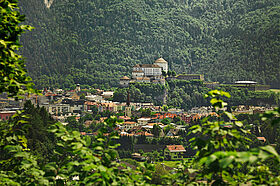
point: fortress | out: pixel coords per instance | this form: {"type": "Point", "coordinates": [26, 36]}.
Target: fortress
{"type": "Point", "coordinates": [147, 73]}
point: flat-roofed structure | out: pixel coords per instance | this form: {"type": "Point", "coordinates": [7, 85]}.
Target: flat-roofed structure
{"type": "Point", "coordinates": [250, 85]}
{"type": "Point", "coordinates": [189, 77]}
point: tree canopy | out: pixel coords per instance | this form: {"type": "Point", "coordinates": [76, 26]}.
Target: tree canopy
{"type": "Point", "coordinates": [96, 42]}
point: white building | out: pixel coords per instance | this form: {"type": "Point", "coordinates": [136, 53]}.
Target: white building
{"type": "Point", "coordinates": [147, 73]}
{"type": "Point", "coordinates": [162, 63]}
{"type": "Point", "coordinates": [143, 121]}
{"type": "Point", "coordinates": [136, 74]}
{"type": "Point", "coordinates": [124, 81]}
{"type": "Point", "coordinates": [148, 69]}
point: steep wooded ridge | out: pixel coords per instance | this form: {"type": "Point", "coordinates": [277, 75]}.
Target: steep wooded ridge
{"type": "Point", "coordinates": [94, 42]}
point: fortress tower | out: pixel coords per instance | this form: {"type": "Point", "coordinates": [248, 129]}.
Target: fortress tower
{"type": "Point", "coordinates": [162, 63]}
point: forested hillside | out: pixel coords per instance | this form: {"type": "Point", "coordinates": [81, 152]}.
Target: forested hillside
{"type": "Point", "coordinates": [94, 42]}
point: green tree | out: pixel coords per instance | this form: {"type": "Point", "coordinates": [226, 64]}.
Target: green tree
{"type": "Point", "coordinates": [166, 121]}
{"type": "Point", "coordinates": [156, 130]}
{"type": "Point", "coordinates": [13, 79]}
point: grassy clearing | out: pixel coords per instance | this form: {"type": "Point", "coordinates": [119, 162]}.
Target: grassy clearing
{"type": "Point", "coordinates": [275, 90]}
{"type": "Point", "coordinates": [173, 163]}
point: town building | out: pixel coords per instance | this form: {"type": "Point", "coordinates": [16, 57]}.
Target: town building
{"type": "Point", "coordinates": [162, 63]}
{"type": "Point", "coordinates": [124, 81]}
{"type": "Point", "coordinates": [143, 121]}
{"type": "Point", "coordinates": [250, 85]}
{"type": "Point", "coordinates": [6, 115]}
{"type": "Point", "coordinates": [174, 152]}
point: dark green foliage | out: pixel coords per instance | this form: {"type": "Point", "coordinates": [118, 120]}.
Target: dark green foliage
{"type": "Point", "coordinates": [13, 77]}
{"type": "Point", "coordinates": [242, 96]}
{"type": "Point", "coordinates": [39, 140]}
{"type": "Point", "coordinates": [141, 93]}
{"type": "Point", "coordinates": [97, 42]}
{"type": "Point", "coordinates": [186, 94]}
{"type": "Point", "coordinates": [18, 166]}
{"type": "Point", "coordinates": [156, 130]}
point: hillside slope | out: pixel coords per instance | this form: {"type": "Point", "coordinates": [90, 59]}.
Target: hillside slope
{"type": "Point", "coordinates": [96, 42]}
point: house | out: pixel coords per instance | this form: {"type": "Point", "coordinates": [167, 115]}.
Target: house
{"type": "Point", "coordinates": [148, 69]}
{"type": "Point", "coordinates": [143, 79]}
{"type": "Point", "coordinates": [58, 109]}
{"type": "Point", "coordinates": [128, 125]}
{"type": "Point", "coordinates": [107, 95]}
{"type": "Point", "coordinates": [144, 133]}
{"type": "Point", "coordinates": [158, 117]}
{"type": "Point", "coordinates": [137, 74]}
{"type": "Point", "coordinates": [186, 118]}
{"type": "Point", "coordinates": [125, 118]}
{"type": "Point", "coordinates": [124, 81]}
{"type": "Point", "coordinates": [95, 98]}
{"type": "Point", "coordinates": [5, 115]}
{"type": "Point", "coordinates": [174, 152]}
{"type": "Point", "coordinates": [143, 121]}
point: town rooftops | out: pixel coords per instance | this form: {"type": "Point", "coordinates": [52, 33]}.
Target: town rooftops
{"type": "Point", "coordinates": [129, 123]}
{"type": "Point", "coordinates": [109, 93]}
{"type": "Point", "coordinates": [176, 148]}
{"type": "Point", "coordinates": [162, 116]}
{"type": "Point", "coordinates": [124, 117]}
{"type": "Point", "coordinates": [143, 78]}
{"type": "Point", "coordinates": [160, 60]}
{"type": "Point", "coordinates": [144, 119]}
{"type": "Point", "coordinates": [124, 78]}
{"type": "Point", "coordinates": [8, 112]}
{"type": "Point", "coordinates": [144, 133]}
{"type": "Point", "coordinates": [138, 71]}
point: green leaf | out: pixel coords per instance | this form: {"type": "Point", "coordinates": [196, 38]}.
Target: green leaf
{"type": "Point", "coordinates": [225, 162]}
{"type": "Point", "coordinates": [238, 123]}
{"type": "Point", "coordinates": [270, 149]}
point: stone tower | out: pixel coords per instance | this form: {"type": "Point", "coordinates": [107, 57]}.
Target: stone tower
{"type": "Point", "coordinates": [162, 63]}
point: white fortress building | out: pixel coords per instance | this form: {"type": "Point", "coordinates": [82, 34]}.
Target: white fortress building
{"type": "Point", "coordinates": [147, 73]}
{"type": "Point", "coordinates": [162, 63]}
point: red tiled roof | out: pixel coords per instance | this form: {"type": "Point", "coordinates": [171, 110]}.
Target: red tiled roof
{"type": "Point", "coordinates": [142, 133]}
{"type": "Point", "coordinates": [124, 78]}
{"type": "Point", "coordinates": [165, 115]}
{"type": "Point", "coordinates": [90, 103]}
{"type": "Point", "coordinates": [176, 148]}
{"type": "Point", "coordinates": [50, 94]}
{"type": "Point", "coordinates": [160, 60]}
{"type": "Point", "coordinates": [108, 104]}
{"type": "Point", "coordinates": [124, 117]}
{"type": "Point", "coordinates": [129, 122]}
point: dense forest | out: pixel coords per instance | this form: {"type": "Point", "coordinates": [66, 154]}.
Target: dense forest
{"type": "Point", "coordinates": [96, 42]}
